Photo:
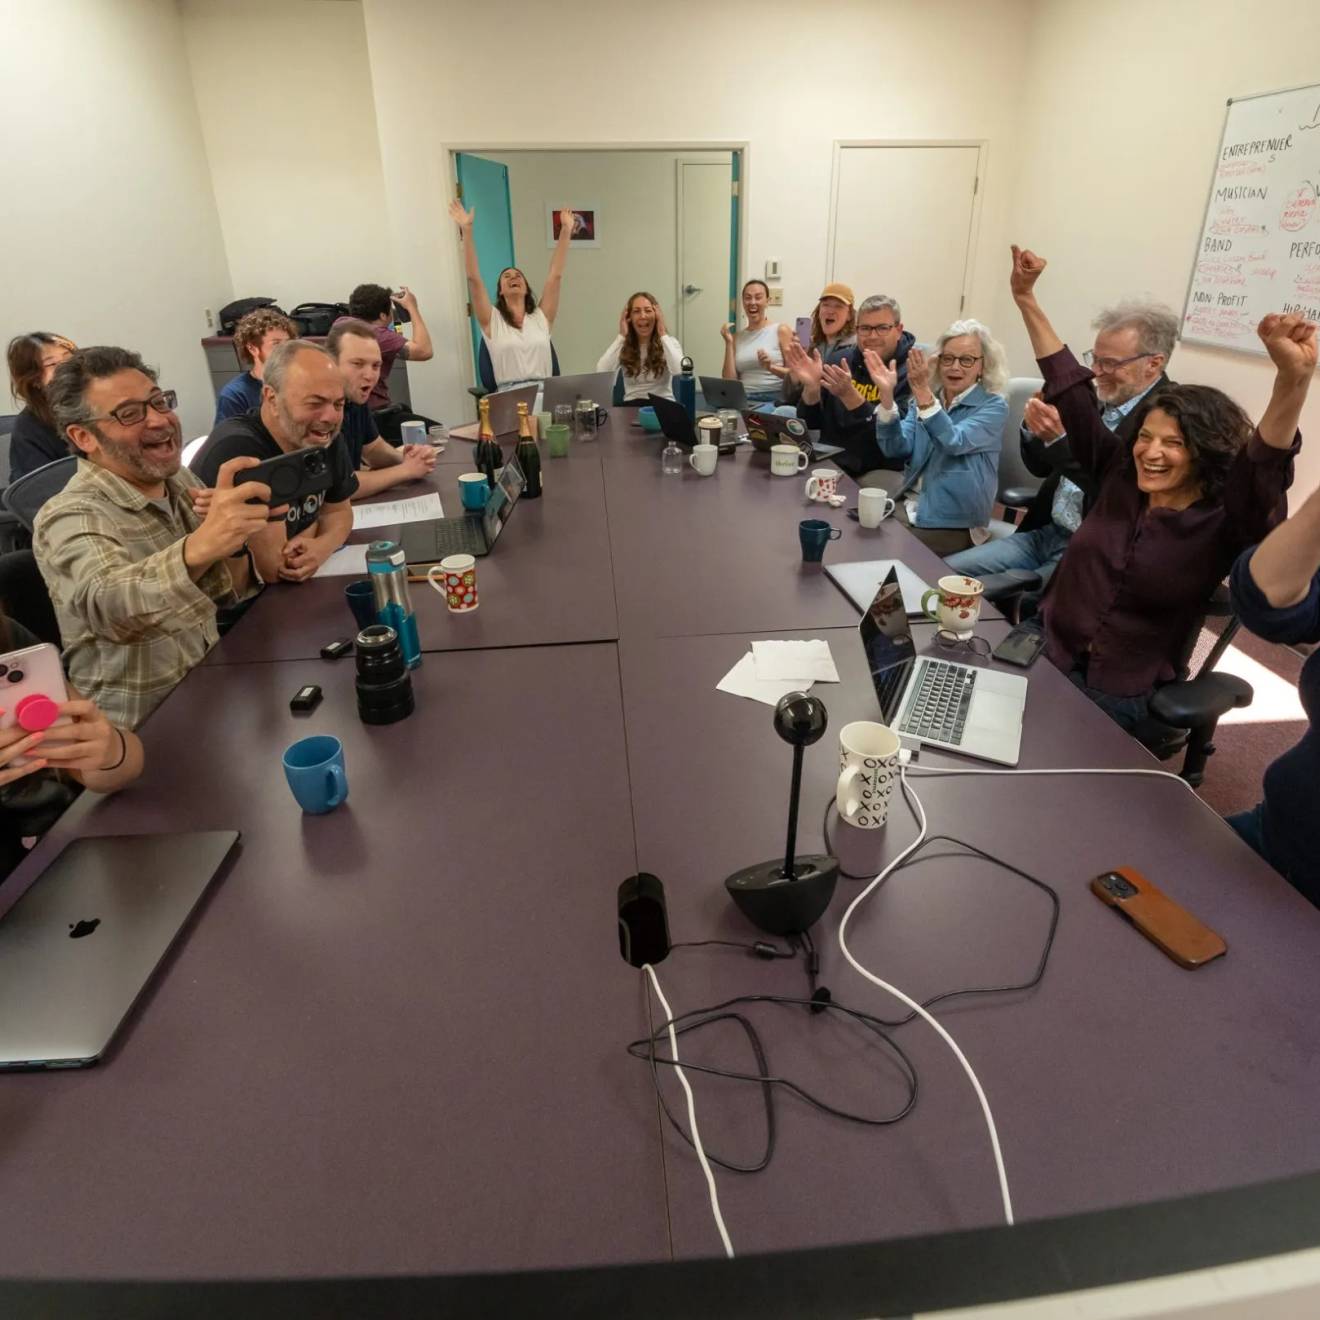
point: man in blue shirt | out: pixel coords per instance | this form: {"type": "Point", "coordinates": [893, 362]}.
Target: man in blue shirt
{"type": "Point", "coordinates": [255, 338]}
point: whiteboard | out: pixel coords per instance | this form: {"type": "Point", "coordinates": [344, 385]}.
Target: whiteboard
{"type": "Point", "coordinates": [1259, 250]}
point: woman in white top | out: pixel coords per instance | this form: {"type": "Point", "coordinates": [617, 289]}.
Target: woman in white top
{"type": "Point", "coordinates": [644, 350]}
{"type": "Point", "coordinates": [752, 355]}
{"type": "Point", "coordinates": [516, 330]}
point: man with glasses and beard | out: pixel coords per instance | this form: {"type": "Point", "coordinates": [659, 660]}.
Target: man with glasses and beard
{"type": "Point", "coordinates": [302, 405]}
{"type": "Point", "coordinates": [134, 572]}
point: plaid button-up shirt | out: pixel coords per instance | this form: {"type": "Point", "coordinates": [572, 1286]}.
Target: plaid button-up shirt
{"type": "Point", "coordinates": [132, 620]}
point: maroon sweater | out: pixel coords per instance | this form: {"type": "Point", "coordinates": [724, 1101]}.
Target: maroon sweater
{"type": "Point", "coordinates": [1135, 580]}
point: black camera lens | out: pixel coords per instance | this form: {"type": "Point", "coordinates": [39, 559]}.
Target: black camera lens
{"type": "Point", "coordinates": [14, 676]}
{"type": "Point", "coordinates": [384, 685]}
{"type": "Point", "coordinates": [316, 463]}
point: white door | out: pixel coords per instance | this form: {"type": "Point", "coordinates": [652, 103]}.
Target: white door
{"type": "Point", "coordinates": [705, 215]}
{"type": "Point", "coordinates": [903, 226]}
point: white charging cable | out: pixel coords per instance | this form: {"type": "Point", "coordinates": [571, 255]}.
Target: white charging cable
{"type": "Point", "coordinates": [692, 1113]}
{"type": "Point", "coordinates": [917, 808]}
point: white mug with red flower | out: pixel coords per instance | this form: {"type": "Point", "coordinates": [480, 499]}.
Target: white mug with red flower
{"type": "Point", "coordinates": [959, 605]}
{"type": "Point", "coordinates": [455, 578]}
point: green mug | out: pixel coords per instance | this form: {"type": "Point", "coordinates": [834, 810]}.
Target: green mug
{"type": "Point", "coordinates": [556, 439]}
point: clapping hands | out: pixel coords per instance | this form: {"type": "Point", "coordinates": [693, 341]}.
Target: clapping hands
{"type": "Point", "coordinates": [885, 376]}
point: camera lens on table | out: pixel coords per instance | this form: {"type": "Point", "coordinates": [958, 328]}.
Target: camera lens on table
{"type": "Point", "coordinates": [384, 685]}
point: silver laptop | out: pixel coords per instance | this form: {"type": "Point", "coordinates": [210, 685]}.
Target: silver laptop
{"type": "Point", "coordinates": [504, 408]}
{"type": "Point", "coordinates": [859, 581]}
{"type": "Point", "coordinates": [77, 949]}
{"type": "Point", "coordinates": [963, 708]}
{"type": "Point", "coordinates": [598, 386]}
{"type": "Point", "coordinates": [720, 393]}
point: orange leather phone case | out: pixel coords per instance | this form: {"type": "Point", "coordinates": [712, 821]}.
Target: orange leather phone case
{"type": "Point", "coordinates": [1189, 942]}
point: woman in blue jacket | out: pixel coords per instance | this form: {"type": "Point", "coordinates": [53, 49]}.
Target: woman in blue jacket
{"type": "Point", "coordinates": [950, 437]}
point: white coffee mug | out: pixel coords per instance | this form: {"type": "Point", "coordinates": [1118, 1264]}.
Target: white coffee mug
{"type": "Point", "coordinates": [823, 484]}
{"type": "Point", "coordinates": [957, 604]}
{"type": "Point", "coordinates": [787, 460]}
{"type": "Point", "coordinates": [874, 506]}
{"type": "Point", "coordinates": [704, 458]}
{"type": "Point", "coordinates": [868, 771]}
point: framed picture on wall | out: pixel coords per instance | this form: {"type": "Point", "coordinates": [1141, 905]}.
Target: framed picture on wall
{"type": "Point", "coordinates": [586, 225]}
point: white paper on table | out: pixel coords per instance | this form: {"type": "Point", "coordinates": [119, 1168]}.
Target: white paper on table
{"type": "Point", "coordinates": [416, 509]}
{"type": "Point", "coordinates": [347, 561]}
{"type": "Point", "coordinates": [742, 681]}
{"type": "Point", "coordinates": [797, 662]}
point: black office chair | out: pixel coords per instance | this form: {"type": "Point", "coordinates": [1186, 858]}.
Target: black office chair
{"type": "Point", "coordinates": [24, 598]}
{"type": "Point", "coordinates": [25, 496]}
{"type": "Point", "coordinates": [12, 534]}
{"type": "Point", "coordinates": [486, 372]}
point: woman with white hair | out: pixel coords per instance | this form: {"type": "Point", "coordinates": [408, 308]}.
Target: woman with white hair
{"type": "Point", "coordinates": [950, 437]}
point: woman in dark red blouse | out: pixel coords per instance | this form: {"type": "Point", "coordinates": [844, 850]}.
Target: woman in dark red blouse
{"type": "Point", "coordinates": [1196, 487]}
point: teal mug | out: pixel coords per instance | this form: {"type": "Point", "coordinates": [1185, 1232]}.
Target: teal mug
{"type": "Point", "coordinates": [314, 768]}
{"type": "Point", "coordinates": [473, 490]}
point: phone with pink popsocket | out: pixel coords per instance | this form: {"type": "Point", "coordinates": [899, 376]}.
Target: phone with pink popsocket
{"type": "Point", "coordinates": [32, 688]}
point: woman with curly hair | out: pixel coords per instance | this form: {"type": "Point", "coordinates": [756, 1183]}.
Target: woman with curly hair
{"type": "Point", "coordinates": [647, 354]}
{"type": "Point", "coordinates": [32, 361]}
{"type": "Point", "coordinates": [1195, 487]}
{"type": "Point", "coordinates": [950, 436]}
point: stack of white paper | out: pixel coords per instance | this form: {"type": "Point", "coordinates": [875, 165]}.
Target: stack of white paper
{"type": "Point", "coordinates": [771, 670]}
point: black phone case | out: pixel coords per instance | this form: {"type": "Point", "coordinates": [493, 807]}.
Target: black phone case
{"type": "Point", "coordinates": [293, 477]}
{"type": "Point", "coordinates": [1014, 639]}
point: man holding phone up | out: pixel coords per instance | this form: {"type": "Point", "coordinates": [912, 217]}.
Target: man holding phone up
{"type": "Point", "coordinates": [134, 572]}
{"type": "Point", "coordinates": [302, 407]}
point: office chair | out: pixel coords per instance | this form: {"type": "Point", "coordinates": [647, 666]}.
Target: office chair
{"type": "Point", "coordinates": [24, 597]}
{"type": "Point", "coordinates": [25, 496]}
{"type": "Point", "coordinates": [192, 449]}
{"type": "Point", "coordinates": [12, 535]}
{"type": "Point", "coordinates": [486, 372]}
{"type": "Point", "coordinates": [1017, 485]}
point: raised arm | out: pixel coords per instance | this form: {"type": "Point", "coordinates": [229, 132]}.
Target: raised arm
{"type": "Point", "coordinates": [418, 348]}
{"type": "Point", "coordinates": [477, 295]}
{"type": "Point", "coordinates": [1285, 564]}
{"type": "Point", "coordinates": [1027, 269]}
{"type": "Point", "coordinates": [555, 279]}
{"type": "Point", "coordinates": [1291, 343]}
{"type": "Point", "coordinates": [729, 371]}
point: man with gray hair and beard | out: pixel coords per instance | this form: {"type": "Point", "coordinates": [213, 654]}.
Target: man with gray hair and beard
{"type": "Point", "coordinates": [302, 406]}
{"type": "Point", "coordinates": [134, 572]}
{"type": "Point", "coordinates": [1133, 344]}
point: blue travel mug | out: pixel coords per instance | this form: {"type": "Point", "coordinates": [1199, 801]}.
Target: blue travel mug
{"type": "Point", "coordinates": [314, 768]}
{"type": "Point", "coordinates": [815, 534]}
{"type": "Point", "coordinates": [361, 597]}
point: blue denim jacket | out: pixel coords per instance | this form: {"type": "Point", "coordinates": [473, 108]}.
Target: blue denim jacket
{"type": "Point", "coordinates": [954, 454]}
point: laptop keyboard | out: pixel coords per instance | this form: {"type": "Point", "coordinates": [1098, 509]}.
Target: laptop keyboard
{"type": "Point", "coordinates": [454, 536]}
{"type": "Point", "coordinates": [937, 707]}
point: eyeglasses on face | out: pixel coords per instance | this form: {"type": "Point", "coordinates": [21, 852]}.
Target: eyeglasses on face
{"type": "Point", "coordinates": [135, 410]}
{"type": "Point", "coordinates": [1111, 364]}
{"type": "Point", "coordinates": [962, 359]}
{"type": "Point", "coordinates": [883, 329]}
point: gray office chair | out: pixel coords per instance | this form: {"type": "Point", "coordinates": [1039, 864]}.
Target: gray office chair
{"type": "Point", "coordinates": [1016, 484]}
{"type": "Point", "coordinates": [26, 496]}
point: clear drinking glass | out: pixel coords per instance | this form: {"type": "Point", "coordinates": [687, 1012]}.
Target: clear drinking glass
{"type": "Point", "coordinates": [730, 425]}
{"type": "Point", "coordinates": [671, 460]}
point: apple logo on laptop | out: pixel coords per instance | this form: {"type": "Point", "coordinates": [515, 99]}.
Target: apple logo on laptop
{"type": "Point", "coordinates": [78, 929]}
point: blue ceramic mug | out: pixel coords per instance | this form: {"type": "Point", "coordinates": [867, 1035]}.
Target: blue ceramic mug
{"type": "Point", "coordinates": [473, 489]}
{"type": "Point", "coordinates": [815, 534]}
{"type": "Point", "coordinates": [314, 768]}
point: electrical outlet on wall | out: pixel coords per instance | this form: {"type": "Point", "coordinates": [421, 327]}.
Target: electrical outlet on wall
{"type": "Point", "coordinates": [776, 296]}
{"type": "Point", "coordinates": [210, 318]}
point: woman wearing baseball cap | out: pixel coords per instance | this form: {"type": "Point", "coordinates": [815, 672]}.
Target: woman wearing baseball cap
{"type": "Point", "coordinates": [833, 325]}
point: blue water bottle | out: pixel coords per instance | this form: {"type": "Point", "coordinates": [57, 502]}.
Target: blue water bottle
{"type": "Point", "coordinates": [388, 572]}
{"type": "Point", "coordinates": [685, 388]}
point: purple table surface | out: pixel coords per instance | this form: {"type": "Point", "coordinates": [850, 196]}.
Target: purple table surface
{"type": "Point", "coordinates": [393, 1039]}
{"type": "Point", "coordinates": [1120, 1078]}
{"type": "Point", "coordinates": [548, 581]}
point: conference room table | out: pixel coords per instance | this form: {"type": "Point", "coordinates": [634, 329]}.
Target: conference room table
{"type": "Point", "coordinates": [393, 1040]}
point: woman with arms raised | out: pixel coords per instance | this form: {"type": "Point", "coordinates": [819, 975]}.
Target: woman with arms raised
{"type": "Point", "coordinates": [647, 353]}
{"type": "Point", "coordinates": [755, 355]}
{"type": "Point", "coordinates": [1197, 485]}
{"type": "Point", "coordinates": [516, 329]}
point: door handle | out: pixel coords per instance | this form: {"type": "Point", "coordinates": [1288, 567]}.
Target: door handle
{"type": "Point", "coordinates": [691, 288]}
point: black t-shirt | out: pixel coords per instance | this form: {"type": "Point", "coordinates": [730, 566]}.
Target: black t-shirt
{"type": "Point", "coordinates": [33, 444]}
{"type": "Point", "coordinates": [358, 431]}
{"type": "Point", "coordinates": [247, 437]}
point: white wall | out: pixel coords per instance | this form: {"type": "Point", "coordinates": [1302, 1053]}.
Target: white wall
{"type": "Point", "coordinates": [1124, 108]}
{"type": "Point", "coordinates": [110, 232]}
{"type": "Point", "coordinates": [636, 194]}
{"type": "Point", "coordinates": [284, 94]}
{"type": "Point", "coordinates": [787, 82]}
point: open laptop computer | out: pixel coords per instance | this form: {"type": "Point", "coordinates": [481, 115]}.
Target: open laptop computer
{"type": "Point", "coordinates": [963, 708]}
{"type": "Point", "coordinates": [765, 430]}
{"type": "Point", "coordinates": [598, 386]}
{"type": "Point", "coordinates": [426, 543]}
{"type": "Point", "coordinates": [77, 949]}
{"type": "Point", "coordinates": [503, 413]}
{"type": "Point", "coordinates": [720, 393]}
{"type": "Point", "coordinates": [675, 424]}
{"type": "Point", "coordinates": [859, 581]}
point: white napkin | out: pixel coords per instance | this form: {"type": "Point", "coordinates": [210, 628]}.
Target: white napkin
{"type": "Point", "coordinates": [743, 681]}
